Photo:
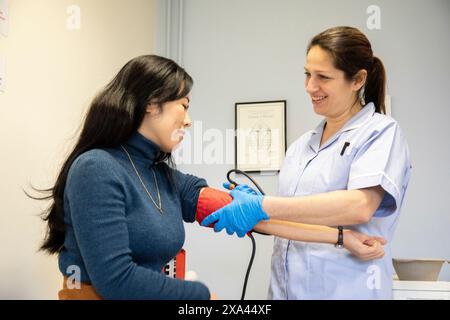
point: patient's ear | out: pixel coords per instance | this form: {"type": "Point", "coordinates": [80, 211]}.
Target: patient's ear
{"type": "Point", "coordinates": [153, 109]}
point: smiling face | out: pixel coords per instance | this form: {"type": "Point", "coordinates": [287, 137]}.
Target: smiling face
{"type": "Point", "coordinates": [166, 126]}
{"type": "Point", "coordinates": [332, 95]}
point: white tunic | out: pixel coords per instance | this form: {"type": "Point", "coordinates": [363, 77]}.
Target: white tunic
{"type": "Point", "coordinates": [375, 153]}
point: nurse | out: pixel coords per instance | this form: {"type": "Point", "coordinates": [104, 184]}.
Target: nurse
{"type": "Point", "coordinates": [352, 170]}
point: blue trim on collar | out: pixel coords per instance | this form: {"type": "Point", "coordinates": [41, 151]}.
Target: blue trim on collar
{"type": "Point", "coordinates": [355, 122]}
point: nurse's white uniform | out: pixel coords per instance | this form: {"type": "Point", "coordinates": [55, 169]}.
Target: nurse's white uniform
{"type": "Point", "coordinates": [376, 154]}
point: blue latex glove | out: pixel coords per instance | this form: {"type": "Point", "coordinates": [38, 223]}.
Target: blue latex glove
{"type": "Point", "coordinates": [241, 187]}
{"type": "Point", "coordinates": [239, 216]}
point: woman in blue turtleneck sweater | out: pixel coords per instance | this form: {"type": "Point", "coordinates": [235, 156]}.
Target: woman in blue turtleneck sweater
{"type": "Point", "coordinates": [118, 205]}
{"type": "Point", "coordinates": [118, 209]}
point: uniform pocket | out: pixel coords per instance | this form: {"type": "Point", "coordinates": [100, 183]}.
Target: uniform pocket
{"type": "Point", "coordinates": [346, 277]}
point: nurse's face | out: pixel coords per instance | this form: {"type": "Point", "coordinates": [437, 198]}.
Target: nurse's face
{"type": "Point", "coordinates": [166, 127]}
{"type": "Point", "coordinates": [331, 94]}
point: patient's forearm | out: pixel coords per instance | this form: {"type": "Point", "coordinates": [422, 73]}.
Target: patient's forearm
{"type": "Point", "coordinates": [298, 231]}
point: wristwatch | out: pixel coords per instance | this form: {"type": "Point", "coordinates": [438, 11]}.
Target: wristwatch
{"type": "Point", "coordinates": [340, 242]}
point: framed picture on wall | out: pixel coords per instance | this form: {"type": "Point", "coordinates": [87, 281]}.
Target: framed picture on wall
{"type": "Point", "coordinates": [260, 135]}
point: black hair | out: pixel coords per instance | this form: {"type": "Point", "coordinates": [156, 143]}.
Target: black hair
{"type": "Point", "coordinates": [113, 116]}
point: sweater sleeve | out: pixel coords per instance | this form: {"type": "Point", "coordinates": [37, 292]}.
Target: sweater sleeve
{"type": "Point", "coordinates": [96, 199]}
{"type": "Point", "coordinates": [188, 186]}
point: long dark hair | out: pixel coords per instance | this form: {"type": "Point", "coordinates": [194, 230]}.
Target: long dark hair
{"type": "Point", "coordinates": [351, 52]}
{"type": "Point", "coordinates": [113, 116]}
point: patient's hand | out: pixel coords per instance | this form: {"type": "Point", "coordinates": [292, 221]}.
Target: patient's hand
{"type": "Point", "coordinates": [363, 246]}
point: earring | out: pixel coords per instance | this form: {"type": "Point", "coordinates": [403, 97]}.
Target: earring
{"type": "Point", "coordinates": [361, 96]}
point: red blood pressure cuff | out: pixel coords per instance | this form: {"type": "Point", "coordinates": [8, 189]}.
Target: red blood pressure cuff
{"type": "Point", "coordinates": [209, 201]}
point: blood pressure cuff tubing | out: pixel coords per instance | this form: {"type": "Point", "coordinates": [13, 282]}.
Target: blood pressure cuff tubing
{"type": "Point", "coordinates": [209, 201]}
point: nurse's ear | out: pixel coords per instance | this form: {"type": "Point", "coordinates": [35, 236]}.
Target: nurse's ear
{"type": "Point", "coordinates": [359, 80]}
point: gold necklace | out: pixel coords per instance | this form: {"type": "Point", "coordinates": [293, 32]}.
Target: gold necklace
{"type": "Point", "coordinates": [159, 205]}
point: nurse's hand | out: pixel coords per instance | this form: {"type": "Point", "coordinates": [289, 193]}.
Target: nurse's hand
{"type": "Point", "coordinates": [239, 216]}
{"type": "Point", "coordinates": [241, 187]}
{"type": "Point", "coordinates": [363, 246]}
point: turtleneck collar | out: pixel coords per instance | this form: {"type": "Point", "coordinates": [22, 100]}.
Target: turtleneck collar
{"type": "Point", "coordinates": [142, 149]}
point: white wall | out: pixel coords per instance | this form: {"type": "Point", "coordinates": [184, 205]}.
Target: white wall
{"type": "Point", "coordinates": [254, 50]}
{"type": "Point", "coordinates": [52, 74]}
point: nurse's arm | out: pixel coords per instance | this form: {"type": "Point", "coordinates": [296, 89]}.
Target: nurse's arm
{"type": "Point", "coordinates": [363, 246]}
{"type": "Point", "coordinates": [341, 207]}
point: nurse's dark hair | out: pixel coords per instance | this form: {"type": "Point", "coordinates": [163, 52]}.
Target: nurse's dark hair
{"type": "Point", "coordinates": [113, 117]}
{"type": "Point", "coordinates": [352, 52]}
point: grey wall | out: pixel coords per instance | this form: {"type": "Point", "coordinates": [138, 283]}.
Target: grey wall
{"type": "Point", "coordinates": [254, 50]}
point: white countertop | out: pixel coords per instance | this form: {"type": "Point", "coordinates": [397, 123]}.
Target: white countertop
{"type": "Point", "coordinates": [421, 285]}
{"type": "Point", "coordinates": [421, 290]}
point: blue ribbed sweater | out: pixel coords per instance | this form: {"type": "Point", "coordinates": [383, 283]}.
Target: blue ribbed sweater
{"type": "Point", "coordinates": [115, 234]}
